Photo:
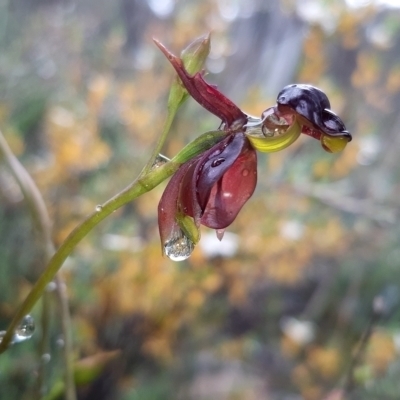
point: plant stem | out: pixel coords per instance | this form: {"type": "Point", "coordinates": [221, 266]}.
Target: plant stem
{"type": "Point", "coordinates": [160, 143]}
{"type": "Point", "coordinates": [138, 187]}
{"type": "Point", "coordinates": [42, 222]}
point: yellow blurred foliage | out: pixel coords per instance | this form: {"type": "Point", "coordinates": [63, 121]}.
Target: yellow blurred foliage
{"type": "Point", "coordinates": [14, 140]}
{"type": "Point", "coordinates": [393, 80]}
{"type": "Point", "coordinates": [324, 361]}
{"type": "Point", "coordinates": [74, 143]}
{"type": "Point", "coordinates": [289, 347]}
{"type": "Point", "coordinates": [381, 351]}
{"type": "Point", "coordinates": [314, 63]}
{"type": "Point", "coordinates": [368, 70]}
{"type": "Point", "coordinates": [98, 89]}
{"type": "Point", "coordinates": [159, 348]}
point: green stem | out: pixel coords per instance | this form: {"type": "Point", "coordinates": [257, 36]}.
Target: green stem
{"type": "Point", "coordinates": [160, 143]}
{"type": "Point", "coordinates": [41, 218]}
{"type": "Point", "coordinates": [140, 186]}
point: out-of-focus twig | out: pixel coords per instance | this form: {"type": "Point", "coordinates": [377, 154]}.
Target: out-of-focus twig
{"type": "Point", "coordinates": [364, 207]}
{"type": "Point", "coordinates": [70, 390]}
{"type": "Point", "coordinates": [43, 346]}
{"type": "Point", "coordinates": [42, 223]}
{"type": "Point", "coordinates": [349, 384]}
{"type": "Point", "coordinates": [379, 309]}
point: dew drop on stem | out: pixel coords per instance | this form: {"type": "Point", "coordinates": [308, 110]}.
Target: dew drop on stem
{"type": "Point", "coordinates": [99, 207]}
{"type": "Point", "coordinates": [24, 330]}
{"type": "Point", "coordinates": [179, 248]}
{"type": "Point", "coordinates": [160, 160]}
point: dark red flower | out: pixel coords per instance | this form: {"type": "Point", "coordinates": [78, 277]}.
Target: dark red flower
{"type": "Point", "coordinates": [211, 188]}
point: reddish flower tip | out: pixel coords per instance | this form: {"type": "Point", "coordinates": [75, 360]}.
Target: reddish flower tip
{"type": "Point", "coordinates": [205, 94]}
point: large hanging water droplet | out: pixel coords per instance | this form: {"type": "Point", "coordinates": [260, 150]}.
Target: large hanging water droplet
{"type": "Point", "coordinates": [24, 330]}
{"type": "Point", "coordinates": [179, 248]}
{"type": "Point", "coordinates": [160, 160]}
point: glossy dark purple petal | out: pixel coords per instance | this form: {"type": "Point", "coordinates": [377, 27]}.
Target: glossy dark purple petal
{"type": "Point", "coordinates": [291, 95]}
{"type": "Point", "coordinates": [312, 105]}
{"type": "Point", "coordinates": [200, 178]}
{"type": "Point", "coordinates": [232, 190]}
{"type": "Point", "coordinates": [215, 188]}
{"type": "Point", "coordinates": [333, 124]}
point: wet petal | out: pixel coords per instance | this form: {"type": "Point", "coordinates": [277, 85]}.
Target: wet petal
{"type": "Point", "coordinates": [305, 100]}
{"type": "Point", "coordinates": [333, 124]}
{"type": "Point", "coordinates": [201, 177]}
{"type": "Point", "coordinates": [313, 108]}
{"type": "Point", "coordinates": [168, 207]}
{"type": "Point", "coordinates": [216, 164]}
{"type": "Point", "coordinates": [232, 190]}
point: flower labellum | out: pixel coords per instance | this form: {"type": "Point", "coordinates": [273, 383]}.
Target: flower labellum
{"type": "Point", "coordinates": [312, 107]}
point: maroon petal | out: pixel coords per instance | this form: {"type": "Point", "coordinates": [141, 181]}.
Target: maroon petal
{"type": "Point", "coordinates": [206, 95]}
{"type": "Point", "coordinates": [202, 176]}
{"type": "Point", "coordinates": [169, 205]}
{"type": "Point", "coordinates": [232, 190]}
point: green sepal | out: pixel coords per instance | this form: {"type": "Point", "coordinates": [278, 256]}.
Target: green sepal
{"type": "Point", "coordinates": [189, 228]}
{"type": "Point", "coordinates": [193, 57]}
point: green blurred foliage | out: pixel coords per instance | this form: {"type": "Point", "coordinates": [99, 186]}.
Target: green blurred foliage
{"type": "Point", "coordinates": [83, 94]}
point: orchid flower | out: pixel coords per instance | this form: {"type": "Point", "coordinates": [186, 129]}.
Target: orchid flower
{"type": "Point", "coordinates": [211, 188]}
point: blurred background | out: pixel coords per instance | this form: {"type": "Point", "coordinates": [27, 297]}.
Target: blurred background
{"type": "Point", "coordinates": [312, 263]}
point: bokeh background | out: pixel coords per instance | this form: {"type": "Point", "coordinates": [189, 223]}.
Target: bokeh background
{"type": "Point", "coordinates": [312, 263]}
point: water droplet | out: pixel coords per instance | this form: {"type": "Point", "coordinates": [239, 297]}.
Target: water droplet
{"type": "Point", "coordinates": [160, 160]}
{"type": "Point", "coordinates": [245, 172]}
{"type": "Point", "coordinates": [60, 342]}
{"type": "Point", "coordinates": [99, 207]}
{"type": "Point", "coordinates": [25, 329]}
{"type": "Point", "coordinates": [217, 162]}
{"type": "Point", "coordinates": [2, 334]}
{"type": "Point", "coordinates": [179, 248]}
{"type": "Point", "coordinates": [267, 132]}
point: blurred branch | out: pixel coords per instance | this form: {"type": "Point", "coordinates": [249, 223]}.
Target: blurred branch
{"type": "Point", "coordinates": [349, 384]}
{"type": "Point", "coordinates": [70, 390]}
{"type": "Point", "coordinates": [42, 222]}
{"type": "Point", "coordinates": [43, 345]}
{"type": "Point", "coordinates": [348, 204]}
